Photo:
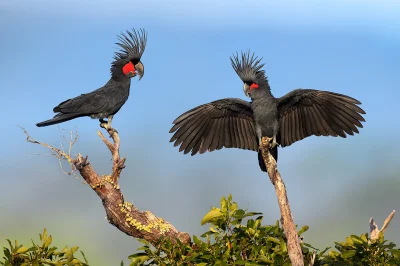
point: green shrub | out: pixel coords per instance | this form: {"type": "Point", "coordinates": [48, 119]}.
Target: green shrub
{"type": "Point", "coordinates": [237, 237]}
{"type": "Point", "coordinates": [40, 255]}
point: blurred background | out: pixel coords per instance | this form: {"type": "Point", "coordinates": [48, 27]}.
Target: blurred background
{"type": "Point", "coordinates": [55, 50]}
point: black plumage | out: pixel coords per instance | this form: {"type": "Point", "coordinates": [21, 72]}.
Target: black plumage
{"type": "Point", "coordinates": [106, 101]}
{"type": "Point", "coordinates": [234, 123]}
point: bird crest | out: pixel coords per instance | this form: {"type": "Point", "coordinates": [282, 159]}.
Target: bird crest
{"type": "Point", "coordinates": [248, 66]}
{"type": "Point", "coordinates": [132, 45]}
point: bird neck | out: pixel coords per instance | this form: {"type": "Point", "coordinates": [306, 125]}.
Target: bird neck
{"type": "Point", "coordinates": [120, 81]}
{"type": "Point", "coordinates": [120, 78]}
{"type": "Point", "coordinates": [117, 74]}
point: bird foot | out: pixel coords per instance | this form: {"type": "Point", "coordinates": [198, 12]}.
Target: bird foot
{"type": "Point", "coordinates": [267, 143]}
{"type": "Point", "coordinates": [273, 144]}
{"type": "Point", "coordinates": [107, 126]}
{"type": "Point", "coordinates": [112, 131]}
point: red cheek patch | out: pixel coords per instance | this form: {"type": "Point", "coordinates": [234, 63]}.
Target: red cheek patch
{"type": "Point", "coordinates": [128, 68]}
{"type": "Point", "coordinates": [253, 86]}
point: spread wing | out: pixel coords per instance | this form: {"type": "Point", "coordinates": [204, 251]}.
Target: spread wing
{"type": "Point", "coordinates": [306, 112]}
{"type": "Point", "coordinates": [208, 127]}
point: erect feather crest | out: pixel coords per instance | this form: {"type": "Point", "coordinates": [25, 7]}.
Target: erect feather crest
{"type": "Point", "coordinates": [132, 45]}
{"type": "Point", "coordinates": [248, 66]}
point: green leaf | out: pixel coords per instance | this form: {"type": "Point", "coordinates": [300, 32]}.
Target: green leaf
{"type": "Point", "coordinates": [252, 214]}
{"type": "Point", "coordinates": [197, 241]}
{"type": "Point", "coordinates": [349, 241]}
{"type": "Point", "coordinates": [44, 235]}
{"type": "Point", "coordinates": [263, 258]}
{"type": "Point", "coordinates": [356, 240]}
{"type": "Point", "coordinates": [22, 250]}
{"type": "Point", "coordinates": [251, 231]}
{"type": "Point", "coordinates": [144, 248]}
{"type": "Point", "coordinates": [239, 214]}
{"type": "Point", "coordinates": [47, 241]}
{"type": "Point", "coordinates": [224, 205]}
{"type": "Point", "coordinates": [303, 229]}
{"type": "Point", "coordinates": [273, 239]}
{"type": "Point", "coordinates": [283, 246]}
{"type": "Point", "coordinates": [138, 258]}
{"type": "Point", "coordinates": [381, 237]}
{"type": "Point", "coordinates": [257, 222]}
{"type": "Point", "coordinates": [333, 253]}
{"type": "Point", "coordinates": [84, 257]}
{"type": "Point", "coordinates": [9, 242]}
{"type": "Point", "coordinates": [364, 238]}
{"type": "Point", "coordinates": [7, 253]}
{"type": "Point", "coordinates": [212, 229]}
{"type": "Point", "coordinates": [348, 254]}
{"type": "Point", "coordinates": [234, 207]}
{"type": "Point", "coordinates": [215, 213]}
{"type": "Point", "coordinates": [206, 234]}
{"type": "Point", "coordinates": [74, 249]}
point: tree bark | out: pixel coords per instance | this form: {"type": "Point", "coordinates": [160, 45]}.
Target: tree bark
{"type": "Point", "coordinates": [289, 227]}
{"type": "Point", "coordinates": [123, 215]}
{"type": "Point", "coordinates": [373, 227]}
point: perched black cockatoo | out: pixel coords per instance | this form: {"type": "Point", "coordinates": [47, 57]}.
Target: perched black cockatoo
{"type": "Point", "coordinates": [234, 123]}
{"type": "Point", "coordinates": [106, 101]}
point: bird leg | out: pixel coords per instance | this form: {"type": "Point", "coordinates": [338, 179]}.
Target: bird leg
{"type": "Point", "coordinates": [107, 125]}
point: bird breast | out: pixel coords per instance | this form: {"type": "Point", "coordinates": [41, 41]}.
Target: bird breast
{"type": "Point", "coordinates": [266, 117]}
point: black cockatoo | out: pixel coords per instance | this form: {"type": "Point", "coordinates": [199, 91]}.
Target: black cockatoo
{"type": "Point", "coordinates": [234, 123]}
{"type": "Point", "coordinates": [106, 101]}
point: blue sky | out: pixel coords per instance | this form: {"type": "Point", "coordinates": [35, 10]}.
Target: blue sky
{"type": "Point", "coordinates": [52, 51]}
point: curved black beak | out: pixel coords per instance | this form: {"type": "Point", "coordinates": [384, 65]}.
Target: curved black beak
{"type": "Point", "coordinates": [140, 69]}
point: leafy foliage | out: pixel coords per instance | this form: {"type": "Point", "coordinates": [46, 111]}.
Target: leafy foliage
{"type": "Point", "coordinates": [237, 237]}
{"type": "Point", "coordinates": [40, 255]}
{"type": "Point", "coordinates": [362, 251]}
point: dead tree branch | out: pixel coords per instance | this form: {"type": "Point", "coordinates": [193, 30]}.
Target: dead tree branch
{"type": "Point", "coordinates": [294, 249]}
{"type": "Point", "coordinates": [123, 215]}
{"type": "Point", "coordinates": [373, 227]}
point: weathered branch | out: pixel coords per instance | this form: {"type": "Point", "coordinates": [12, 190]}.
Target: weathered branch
{"type": "Point", "coordinates": [373, 227]}
{"type": "Point", "coordinates": [123, 215]}
{"type": "Point", "coordinates": [294, 249]}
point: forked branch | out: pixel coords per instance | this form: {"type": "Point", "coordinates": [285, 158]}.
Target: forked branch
{"type": "Point", "coordinates": [289, 227]}
{"type": "Point", "coordinates": [123, 215]}
{"type": "Point", "coordinates": [373, 227]}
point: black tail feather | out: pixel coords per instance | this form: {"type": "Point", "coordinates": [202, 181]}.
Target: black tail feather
{"type": "Point", "coordinates": [57, 119]}
{"type": "Point", "coordinates": [274, 153]}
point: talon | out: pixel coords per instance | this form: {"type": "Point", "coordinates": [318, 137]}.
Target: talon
{"type": "Point", "coordinates": [111, 131]}
{"type": "Point", "coordinates": [268, 144]}
{"type": "Point", "coordinates": [107, 125]}
{"type": "Point", "coordinates": [104, 125]}
{"type": "Point", "coordinates": [273, 144]}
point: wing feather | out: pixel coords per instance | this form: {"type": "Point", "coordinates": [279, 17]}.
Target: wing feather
{"type": "Point", "coordinates": [212, 126]}
{"type": "Point", "coordinates": [306, 112]}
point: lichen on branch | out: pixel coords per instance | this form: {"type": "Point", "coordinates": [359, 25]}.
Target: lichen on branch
{"type": "Point", "coordinates": [123, 215]}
